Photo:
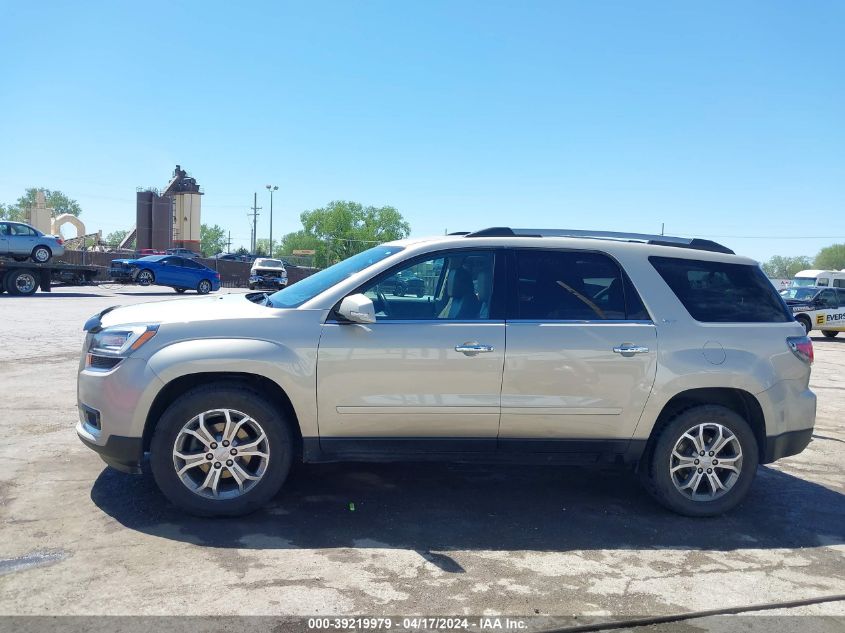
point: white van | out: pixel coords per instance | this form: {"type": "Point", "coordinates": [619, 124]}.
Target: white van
{"type": "Point", "coordinates": [831, 278]}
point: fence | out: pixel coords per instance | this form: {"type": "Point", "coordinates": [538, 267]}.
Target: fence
{"type": "Point", "coordinates": [232, 274]}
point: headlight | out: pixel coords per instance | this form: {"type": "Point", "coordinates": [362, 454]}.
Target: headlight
{"type": "Point", "coordinates": [119, 340]}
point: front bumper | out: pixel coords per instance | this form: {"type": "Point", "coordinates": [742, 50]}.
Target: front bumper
{"type": "Point", "coordinates": [113, 404]}
{"type": "Point", "coordinates": [261, 281]}
{"type": "Point", "coordinates": [121, 453]}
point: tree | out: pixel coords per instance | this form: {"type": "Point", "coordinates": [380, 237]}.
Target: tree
{"type": "Point", "coordinates": [779, 267]}
{"type": "Point", "coordinates": [11, 212]}
{"type": "Point", "coordinates": [56, 200]}
{"type": "Point", "coordinates": [212, 240]}
{"type": "Point", "coordinates": [114, 238]}
{"type": "Point", "coordinates": [831, 257]}
{"type": "Point", "coordinates": [243, 250]}
{"type": "Point", "coordinates": [342, 229]}
{"type": "Point", "coordinates": [298, 241]}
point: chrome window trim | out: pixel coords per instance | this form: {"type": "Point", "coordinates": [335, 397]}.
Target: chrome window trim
{"type": "Point", "coordinates": [582, 321]}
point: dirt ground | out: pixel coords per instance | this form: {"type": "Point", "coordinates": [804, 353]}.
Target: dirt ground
{"type": "Point", "coordinates": [78, 538]}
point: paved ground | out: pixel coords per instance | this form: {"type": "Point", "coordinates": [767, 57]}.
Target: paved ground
{"type": "Point", "coordinates": [77, 538]}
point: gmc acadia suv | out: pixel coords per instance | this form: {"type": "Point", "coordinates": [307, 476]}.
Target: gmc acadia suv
{"type": "Point", "coordinates": [672, 356]}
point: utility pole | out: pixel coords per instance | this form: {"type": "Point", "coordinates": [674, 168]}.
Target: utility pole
{"type": "Point", "coordinates": [229, 243]}
{"type": "Point", "coordinates": [271, 189]}
{"type": "Point", "coordinates": [255, 214]}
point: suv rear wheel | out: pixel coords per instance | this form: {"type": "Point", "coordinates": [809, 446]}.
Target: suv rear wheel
{"type": "Point", "coordinates": [703, 462]}
{"type": "Point", "coordinates": [221, 450]}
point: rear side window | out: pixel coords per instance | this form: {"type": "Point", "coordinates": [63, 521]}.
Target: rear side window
{"type": "Point", "coordinates": [716, 292]}
{"type": "Point", "coordinates": [572, 286]}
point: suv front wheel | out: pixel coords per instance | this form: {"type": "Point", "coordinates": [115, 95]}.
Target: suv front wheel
{"type": "Point", "coordinates": [703, 462]}
{"type": "Point", "coordinates": [221, 450]}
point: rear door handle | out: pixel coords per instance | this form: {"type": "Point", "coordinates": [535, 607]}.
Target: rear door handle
{"type": "Point", "coordinates": [471, 348]}
{"type": "Point", "coordinates": [626, 349]}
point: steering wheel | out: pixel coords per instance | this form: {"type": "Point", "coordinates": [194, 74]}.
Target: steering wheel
{"type": "Point", "coordinates": [383, 300]}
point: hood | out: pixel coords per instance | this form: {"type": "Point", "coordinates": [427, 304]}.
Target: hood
{"type": "Point", "coordinates": [221, 307]}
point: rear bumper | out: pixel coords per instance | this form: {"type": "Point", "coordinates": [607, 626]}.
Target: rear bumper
{"type": "Point", "coordinates": [786, 444]}
{"type": "Point", "coordinates": [121, 453]}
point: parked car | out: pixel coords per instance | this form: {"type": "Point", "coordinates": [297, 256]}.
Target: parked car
{"type": "Point", "coordinates": [187, 253]}
{"type": "Point", "coordinates": [817, 308]}
{"type": "Point", "coordinates": [403, 284]}
{"type": "Point", "coordinates": [672, 357]}
{"type": "Point", "coordinates": [22, 241]}
{"type": "Point", "coordinates": [268, 273]}
{"type": "Point", "coordinates": [166, 270]}
{"type": "Point", "coordinates": [229, 257]}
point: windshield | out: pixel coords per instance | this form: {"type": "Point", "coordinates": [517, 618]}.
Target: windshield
{"type": "Point", "coordinates": [799, 294]}
{"type": "Point", "coordinates": [803, 282]}
{"type": "Point", "coordinates": [269, 263]}
{"type": "Point", "coordinates": [296, 294]}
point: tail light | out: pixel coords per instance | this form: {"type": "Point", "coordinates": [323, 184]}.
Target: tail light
{"type": "Point", "coordinates": [217, 276]}
{"type": "Point", "coordinates": [802, 347]}
{"type": "Point", "coordinates": [59, 241]}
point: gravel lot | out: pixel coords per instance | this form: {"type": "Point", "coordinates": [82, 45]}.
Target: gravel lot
{"type": "Point", "coordinates": [78, 538]}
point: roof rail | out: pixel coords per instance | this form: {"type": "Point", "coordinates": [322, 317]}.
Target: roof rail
{"type": "Point", "coordinates": [657, 240]}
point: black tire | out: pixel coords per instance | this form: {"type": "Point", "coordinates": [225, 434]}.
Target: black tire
{"type": "Point", "coordinates": [204, 287]}
{"type": "Point", "coordinates": [221, 395]}
{"type": "Point", "coordinates": [2, 283]}
{"type": "Point", "coordinates": [805, 322]}
{"type": "Point", "coordinates": [421, 293]}
{"type": "Point", "coordinates": [658, 481]}
{"type": "Point", "coordinates": [41, 254]}
{"type": "Point", "coordinates": [251, 286]}
{"type": "Point", "coordinates": [179, 290]}
{"type": "Point", "coordinates": [399, 290]}
{"type": "Point", "coordinates": [19, 258]}
{"type": "Point", "coordinates": [145, 277]}
{"type": "Point", "coordinates": [830, 333]}
{"type": "Point", "coordinates": [21, 283]}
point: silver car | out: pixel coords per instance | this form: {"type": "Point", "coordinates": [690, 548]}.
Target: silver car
{"type": "Point", "coordinates": [23, 241]}
{"type": "Point", "coordinates": [672, 357]}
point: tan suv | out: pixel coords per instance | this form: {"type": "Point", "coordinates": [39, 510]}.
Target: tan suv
{"type": "Point", "coordinates": [671, 356]}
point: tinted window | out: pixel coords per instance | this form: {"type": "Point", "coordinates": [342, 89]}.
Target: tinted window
{"type": "Point", "coordinates": [571, 285]}
{"type": "Point", "coordinates": [839, 283]}
{"type": "Point", "coordinates": [189, 263]}
{"type": "Point", "coordinates": [455, 286]}
{"type": "Point", "coordinates": [829, 299]}
{"type": "Point", "coordinates": [717, 292]}
{"type": "Point", "coordinates": [4, 229]}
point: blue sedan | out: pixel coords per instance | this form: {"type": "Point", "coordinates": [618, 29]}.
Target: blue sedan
{"type": "Point", "coordinates": [166, 270]}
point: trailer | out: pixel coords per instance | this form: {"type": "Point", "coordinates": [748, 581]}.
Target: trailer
{"type": "Point", "coordinates": [24, 278]}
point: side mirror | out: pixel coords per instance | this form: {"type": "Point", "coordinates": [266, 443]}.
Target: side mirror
{"type": "Point", "coordinates": [357, 309]}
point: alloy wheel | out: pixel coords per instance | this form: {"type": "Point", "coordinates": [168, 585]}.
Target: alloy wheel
{"type": "Point", "coordinates": [221, 454]}
{"type": "Point", "coordinates": [706, 462]}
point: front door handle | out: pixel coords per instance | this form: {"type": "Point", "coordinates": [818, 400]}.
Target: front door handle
{"type": "Point", "coordinates": [471, 348]}
{"type": "Point", "coordinates": [626, 349]}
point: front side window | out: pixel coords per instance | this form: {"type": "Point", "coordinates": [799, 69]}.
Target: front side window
{"type": "Point", "coordinates": [828, 298]}
{"type": "Point", "coordinates": [573, 286]}
{"type": "Point", "coordinates": [719, 292]}
{"type": "Point", "coordinates": [804, 282]}
{"type": "Point", "coordinates": [454, 286]}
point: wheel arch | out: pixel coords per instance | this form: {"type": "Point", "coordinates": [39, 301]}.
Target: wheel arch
{"type": "Point", "coordinates": [178, 386]}
{"type": "Point", "coordinates": [740, 401]}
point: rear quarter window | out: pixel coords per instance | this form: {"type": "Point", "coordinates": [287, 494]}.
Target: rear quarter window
{"type": "Point", "coordinates": [719, 292]}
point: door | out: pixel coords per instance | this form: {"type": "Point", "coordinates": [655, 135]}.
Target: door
{"type": "Point", "coordinates": [22, 239]}
{"type": "Point", "coordinates": [830, 314]}
{"type": "Point", "coordinates": [4, 238]}
{"type": "Point", "coordinates": [169, 272]}
{"type": "Point", "coordinates": [428, 374]}
{"type": "Point", "coordinates": [581, 355]}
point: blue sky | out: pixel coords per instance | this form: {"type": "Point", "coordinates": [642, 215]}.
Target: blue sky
{"type": "Point", "coordinates": [721, 119]}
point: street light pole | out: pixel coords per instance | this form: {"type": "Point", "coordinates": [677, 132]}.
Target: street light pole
{"type": "Point", "coordinates": [271, 189]}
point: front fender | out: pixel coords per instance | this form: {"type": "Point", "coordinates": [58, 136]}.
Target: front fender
{"type": "Point", "coordinates": [294, 370]}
